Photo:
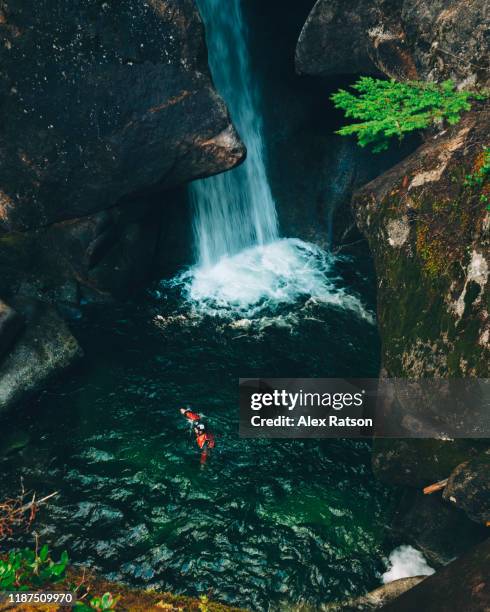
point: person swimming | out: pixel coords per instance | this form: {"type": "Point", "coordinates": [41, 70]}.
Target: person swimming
{"type": "Point", "coordinates": [204, 437]}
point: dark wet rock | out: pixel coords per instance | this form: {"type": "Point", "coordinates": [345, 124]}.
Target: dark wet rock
{"type": "Point", "coordinates": [334, 39]}
{"type": "Point", "coordinates": [464, 584]}
{"type": "Point", "coordinates": [419, 463]}
{"type": "Point", "coordinates": [408, 39]}
{"type": "Point", "coordinates": [103, 255]}
{"type": "Point", "coordinates": [468, 488]}
{"type": "Point", "coordinates": [104, 101]}
{"type": "Point", "coordinates": [429, 524]}
{"type": "Point", "coordinates": [110, 106]}
{"type": "Point", "coordinates": [374, 599]}
{"type": "Point", "coordinates": [10, 325]}
{"type": "Point", "coordinates": [43, 349]}
{"type": "Point", "coordinates": [428, 232]}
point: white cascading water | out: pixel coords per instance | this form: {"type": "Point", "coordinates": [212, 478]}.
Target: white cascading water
{"type": "Point", "coordinates": [233, 210]}
{"type": "Point", "coordinates": [244, 269]}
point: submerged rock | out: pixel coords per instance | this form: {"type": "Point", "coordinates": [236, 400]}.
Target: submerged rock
{"type": "Point", "coordinates": [410, 39]}
{"type": "Point", "coordinates": [468, 488]}
{"type": "Point", "coordinates": [14, 441]}
{"type": "Point", "coordinates": [45, 348]}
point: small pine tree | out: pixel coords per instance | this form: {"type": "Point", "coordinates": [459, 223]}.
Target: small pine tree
{"type": "Point", "coordinates": [388, 109]}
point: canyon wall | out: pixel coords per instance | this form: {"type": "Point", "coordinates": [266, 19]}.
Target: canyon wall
{"type": "Point", "coordinates": [427, 223]}
{"type": "Point", "coordinates": [107, 107]}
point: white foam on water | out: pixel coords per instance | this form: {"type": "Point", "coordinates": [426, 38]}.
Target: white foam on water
{"type": "Point", "coordinates": [259, 279]}
{"type": "Point", "coordinates": [405, 562]}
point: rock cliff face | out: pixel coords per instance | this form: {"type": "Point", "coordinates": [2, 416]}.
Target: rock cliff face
{"type": "Point", "coordinates": [414, 39]}
{"type": "Point", "coordinates": [107, 104]}
{"type": "Point", "coordinates": [429, 233]}
{"type": "Point", "coordinates": [107, 108]}
{"type": "Point", "coordinates": [428, 228]}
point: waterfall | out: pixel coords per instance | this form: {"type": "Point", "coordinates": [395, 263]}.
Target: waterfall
{"type": "Point", "coordinates": [243, 268]}
{"type": "Point", "coordinates": [234, 210]}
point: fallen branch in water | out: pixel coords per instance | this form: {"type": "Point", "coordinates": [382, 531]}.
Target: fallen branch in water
{"type": "Point", "coordinates": [437, 486]}
{"type": "Point", "coordinates": [16, 514]}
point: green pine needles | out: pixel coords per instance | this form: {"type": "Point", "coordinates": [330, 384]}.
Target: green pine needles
{"type": "Point", "coordinates": [388, 109]}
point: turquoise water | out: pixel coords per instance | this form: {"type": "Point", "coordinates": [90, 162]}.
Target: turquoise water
{"type": "Point", "coordinates": [264, 523]}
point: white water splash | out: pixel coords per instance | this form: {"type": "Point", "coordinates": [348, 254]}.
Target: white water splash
{"type": "Point", "coordinates": [405, 562]}
{"type": "Point", "coordinates": [260, 279]}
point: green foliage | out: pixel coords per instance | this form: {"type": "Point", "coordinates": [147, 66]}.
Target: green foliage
{"type": "Point", "coordinates": [100, 604]}
{"type": "Point", "coordinates": [25, 569]}
{"type": "Point", "coordinates": [388, 109]}
{"type": "Point", "coordinates": [203, 603]}
{"type": "Point", "coordinates": [477, 179]}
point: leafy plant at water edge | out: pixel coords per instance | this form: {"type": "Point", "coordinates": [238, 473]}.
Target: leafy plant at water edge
{"type": "Point", "coordinates": [388, 109]}
{"type": "Point", "coordinates": [27, 568]}
{"type": "Point", "coordinates": [100, 604]}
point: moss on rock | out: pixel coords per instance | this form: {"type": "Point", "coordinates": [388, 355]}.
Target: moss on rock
{"type": "Point", "coordinates": [433, 298]}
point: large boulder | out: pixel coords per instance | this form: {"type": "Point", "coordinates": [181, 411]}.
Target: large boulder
{"type": "Point", "coordinates": [468, 488]}
{"type": "Point", "coordinates": [334, 39]}
{"type": "Point", "coordinates": [407, 39]}
{"type": "Point", "coordinates": [429, 524]}
{"type": "Point", "coordinates": [105, 254]}
{"type": "Point", "coordinates": [44, 348]}
{"type": "Point", "coordinates": [426, 220]}
{"type": "Point", "coordinates": [105, 100]}
{"type": "Point", "coordinates": [419, 463]}
{"type": "Point", "coordinates": [428, 230]}
{"type": "Point", "coordinates": [110, 106]}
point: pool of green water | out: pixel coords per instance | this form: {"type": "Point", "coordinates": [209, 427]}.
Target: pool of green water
{"type": "Point", "coordinates": [264, 523]}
